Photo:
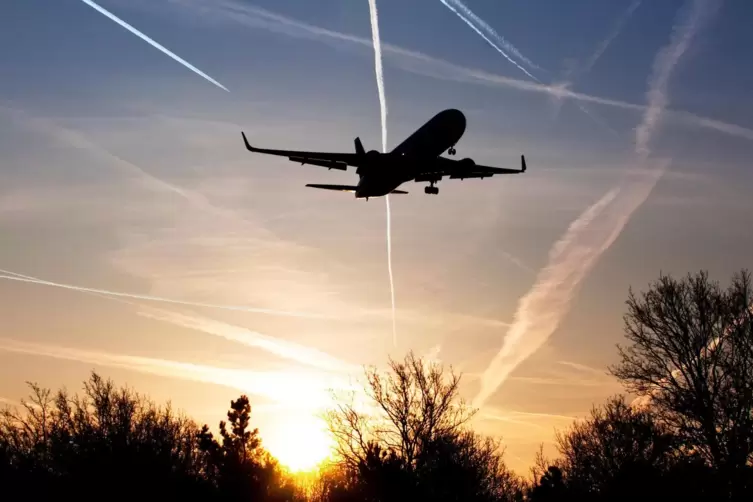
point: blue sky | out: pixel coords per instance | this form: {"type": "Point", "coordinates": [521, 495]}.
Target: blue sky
{"type": "Point", "coordinates": [124, 171]}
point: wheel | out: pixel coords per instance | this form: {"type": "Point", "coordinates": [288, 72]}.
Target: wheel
{"type": "Point", "coordinates": [451, 151]}
{"type": "Point", "coordinates": [431, 190]}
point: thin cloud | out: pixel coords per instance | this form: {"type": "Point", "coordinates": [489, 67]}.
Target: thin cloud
{"type": "Point", "coordinates": [9, 402]}
{"type": "Point", "coordinates": [563, 382]}
{"type": "Point", "coordinates": [422, 64]}
{"type": "Point", "coordinates": [583, 367]}
{"type": "Point", "coordinates": [286, 387]}
{"type": "Point", "coordinates": [151, 42]}
{"type": "Point", "coordinates": [282, 348]}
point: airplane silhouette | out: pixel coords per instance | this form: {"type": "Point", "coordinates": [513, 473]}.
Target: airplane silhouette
{"type": "Point", "coordinates": [415, 159]}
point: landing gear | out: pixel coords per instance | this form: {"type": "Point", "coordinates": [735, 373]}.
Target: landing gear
{"type": "Point", "coordinates": [431, 190]}
{"type": "Point", "coordinates": [452, 151]}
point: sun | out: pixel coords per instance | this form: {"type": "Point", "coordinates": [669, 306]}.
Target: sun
{"type": "Point", "coordinates": [300, 442]}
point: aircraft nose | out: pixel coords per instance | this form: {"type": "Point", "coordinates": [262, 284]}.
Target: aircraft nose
{"type": "Point", "coordinates": [456, 117]}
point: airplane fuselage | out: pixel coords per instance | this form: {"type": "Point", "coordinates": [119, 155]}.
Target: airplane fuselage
{"type": "Point", "coordinates": [418, 158]}
{"type": "Point", "coordinates": [390, 170]}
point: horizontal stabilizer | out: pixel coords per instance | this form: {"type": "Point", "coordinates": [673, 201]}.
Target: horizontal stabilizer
{"type": "Point", "coordinates": [340, 188]}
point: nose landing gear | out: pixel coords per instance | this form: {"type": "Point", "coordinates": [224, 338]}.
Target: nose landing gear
{"type": "Point", "coordinates": [452, 151]}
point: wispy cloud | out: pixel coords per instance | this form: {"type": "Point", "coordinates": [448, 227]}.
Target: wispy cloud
{"type": "Point", "coordinates": [540, 311]}
{"type": "Point", "coordinates": [583, 368]}
{"type": "Point", "coordinates": [151, 42]}
{"type": "Point", "coordinates": [8, 402]}
{"type": "Point", "coordinates": [423, 64]}
{"type": "Point", "coordinates": [480, 26]}
{"type": "Point", "coordinates": [299, 388]}
{"type": "Point", "coordinates": [282, 348]}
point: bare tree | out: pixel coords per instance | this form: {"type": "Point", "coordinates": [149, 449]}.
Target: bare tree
{"type": "Point", "coordinates": [417, 403]}
{"type": "Point", "coordinates": [691, 355]}
{"type": "Point", "coordinates": [417, 443]}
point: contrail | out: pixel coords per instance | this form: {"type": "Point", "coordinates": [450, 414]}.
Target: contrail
{"type": "Point", "coordinates": [600, 50]}
{"type": "Point", "coordinates": [374, 17]}
{"type": "Point", "coordinates": [389, 268]}
{"type": "Point", "coordinates": [12, 276]}
{"type": "Point", "coordinates": [664, 63]}
{"type": "Point", "coordinates": [602, 47]}
{"type": "Point", "coordinates": [604, 44]}
{"type": "Point", "coordinates": [490, 30]}
{"type": "Point", "coordinates": [541, 310]}
{"type": "Point", "coordinates": [422, 64]}
{"type": "Point", "coordinates": [151, 42]}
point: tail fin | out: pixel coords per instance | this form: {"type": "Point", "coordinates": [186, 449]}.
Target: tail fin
{"type": "Point", "coordinates": [359, 147]}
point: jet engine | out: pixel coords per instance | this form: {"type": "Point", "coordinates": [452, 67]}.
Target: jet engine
{"type": "Point", "coordinates": [466, 164]}
{"type": "Point", "coordinates": [372, 160]}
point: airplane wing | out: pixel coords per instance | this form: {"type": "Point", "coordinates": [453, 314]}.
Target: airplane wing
{"type": "Point", "coordinates": [465, 168]}
{"type": "Point", "coordinates": [329, 160]}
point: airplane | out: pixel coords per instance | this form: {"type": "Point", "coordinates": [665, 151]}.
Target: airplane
{"type": "Point", "coordinates": [418, 159]}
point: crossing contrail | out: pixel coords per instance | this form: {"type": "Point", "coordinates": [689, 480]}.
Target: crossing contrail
{"type": "Point", "coordinates": [477, 24]}
{"type": "Point", "coordinates": [374, 17]}
{"type": "Point", "coordinates": [151, 42]}
{"type": "Point", "coordinates": [468, 13]}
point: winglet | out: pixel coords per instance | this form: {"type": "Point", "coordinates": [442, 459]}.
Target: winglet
{"type": "Point", "coordinates": [248, 145]}
{"type": "Point", "coordinates": [522, 163]}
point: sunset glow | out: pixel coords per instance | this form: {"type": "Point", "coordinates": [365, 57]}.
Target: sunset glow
{"type": "Point", "coordinates": [299, 442]}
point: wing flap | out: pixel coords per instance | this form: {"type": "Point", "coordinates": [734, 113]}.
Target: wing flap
{"type": "Point", "coordinates": [339, 188]}
{"type": "Point", "coordinates": [329, 164]}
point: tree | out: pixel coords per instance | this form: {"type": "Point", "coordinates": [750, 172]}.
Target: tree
{"type": "Point", "coordinates": [106, 438]}
{"type": "Point", "coordinates": [414, 443]}
{"type": "Point", "coordinates": [691, 356]}
{"type": "Point", "coordinates": [240, 467]}
{"type": "Point", "coordinates": [616, 451]}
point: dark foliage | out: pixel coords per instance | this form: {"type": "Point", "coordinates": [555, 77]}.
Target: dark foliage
{"type": "Point", "coordinates": [115, 442]}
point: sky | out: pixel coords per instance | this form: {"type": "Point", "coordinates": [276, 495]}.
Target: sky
{"type": "Point", "coordinates": [208, 272]}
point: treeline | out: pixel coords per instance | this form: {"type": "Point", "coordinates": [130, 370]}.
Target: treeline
{"type": "Point", "coordinates": [685, 432]}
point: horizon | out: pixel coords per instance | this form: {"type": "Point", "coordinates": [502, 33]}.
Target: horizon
{"type": "Point", "coordinates": [142, 240]}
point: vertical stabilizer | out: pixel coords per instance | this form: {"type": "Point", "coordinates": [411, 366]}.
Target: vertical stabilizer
{"type": "Point", "coordinates": [359, 147]}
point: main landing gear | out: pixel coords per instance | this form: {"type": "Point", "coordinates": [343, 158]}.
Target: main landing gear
{"type": "Point", "coordinates": [431, 190]}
